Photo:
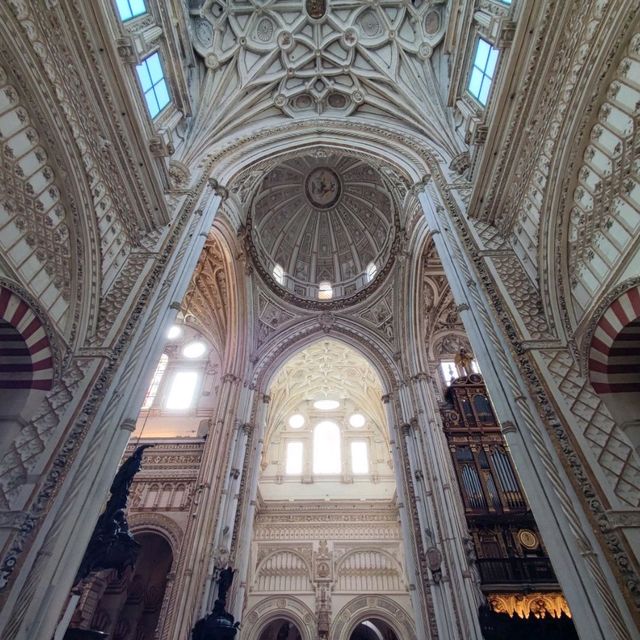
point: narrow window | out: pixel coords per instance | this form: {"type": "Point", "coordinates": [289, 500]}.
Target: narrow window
{"type": "Point", "coordinates": [294, 458]}
{"type": "Point", "coordinates": [484, 64]}
{"type": "Point", "coordinates": [182, 389]}
{"type": "Point", "coordinates": [278, 274]}
{"type": "Point", "coordinates": [371, 271]}
{"type": "Point", "coordinates": [325, 290]}
{"type": "Point", "coordinates": [153, 84]}
{"type": "Point", "coordinates": [359, 458]}
{"type": "Point", "coordinates": [326, 448]}
{"type": "Point", "coordinates": [152, 391]}
{"type": "Point", "coordinates": [449, 373]}
{"type": "Point", "coordinates": [130, 9]}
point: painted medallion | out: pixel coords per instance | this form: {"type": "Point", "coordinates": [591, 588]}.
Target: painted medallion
{"type": "Point", "coordinates": [323, 187]}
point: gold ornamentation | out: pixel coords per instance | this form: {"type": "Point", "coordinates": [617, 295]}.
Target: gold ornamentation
{"type": "Point", "coordinates": [528, 539]}
{"type": "Point", "coordinates": [537, 605]}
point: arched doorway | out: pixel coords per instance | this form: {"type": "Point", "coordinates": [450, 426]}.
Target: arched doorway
{"type": "Point", "coordinates": [26, 365]}
{"type": "Point", "coordinates": [614, 362]}
{"type": "Point", "coordinates": [130, 607]}
{"type": "Point", "coordinates": [373, 629]}
{"type": "Point", "coordinates": [280, 629]}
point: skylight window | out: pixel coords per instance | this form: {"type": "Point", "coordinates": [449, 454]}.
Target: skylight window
{"type": "Point", "coordinates": [325, 290]}
{"type": "Point", "coordinates": [326, 405]}
{"type": "Point", "coordinates": [152, 391]}
{"type": "Point", "coordinates": [326, 448]}
{"type": "Point", "coordinates": [294, 459]}
{"type": "Point", "coordinates": [278, 274]}
{"type": "Point", "coordinates": [182, 390]}
{"type": "Point", "coordinates": [154, 87]}
{"type": "Point", "coordinates": [371, 271]}
{"type": "Point", "coordinates": [130, 9]}
{"type": "Point", "coordinates": [359, 458]}
{"type": "Point", "coordinates": [484, 65]}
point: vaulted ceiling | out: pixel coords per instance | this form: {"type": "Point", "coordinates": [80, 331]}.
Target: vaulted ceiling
{"type": "Point", "coordinates": [270, 59]}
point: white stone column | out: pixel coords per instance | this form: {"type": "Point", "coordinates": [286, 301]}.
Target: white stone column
{"type": "Point", "coordinates": [245, 535]}
{"type": "Point", "coordinates": [40, 591]}
{"type": "Point", "coordinates": [596, 602]}
{"type": "Point", "coordinates": [199, 547]}
{"type": "Point", "coordinates": [456, 595]}
{"type": "Point", "coordinates": [411, 552]}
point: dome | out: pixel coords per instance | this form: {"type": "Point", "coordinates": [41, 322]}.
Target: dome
{"type": "Point", "coordinates": [322, 226]}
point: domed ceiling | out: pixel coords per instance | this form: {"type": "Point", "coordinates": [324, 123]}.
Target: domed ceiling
{"type": "Point", "coordinates": [323, 218]}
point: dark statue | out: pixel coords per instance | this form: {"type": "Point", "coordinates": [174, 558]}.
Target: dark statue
{"type": "Point", "coordinates": [218, 625]}
{"type": "Point", "coordinates": [112, 546]}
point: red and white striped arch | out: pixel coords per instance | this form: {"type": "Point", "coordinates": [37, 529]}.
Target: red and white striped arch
{"type": "Point", "coordinates": [26, 359]}
{"type": "Point", "coordinates": [614, 358]}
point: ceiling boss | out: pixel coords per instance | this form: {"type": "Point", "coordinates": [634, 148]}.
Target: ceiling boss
{"type": "Point", "coordinates": [316, 8]}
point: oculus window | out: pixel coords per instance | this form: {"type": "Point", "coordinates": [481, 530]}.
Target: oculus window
{"type": "Point", "coordinates": [294, 459]}
{"type": "Point", "coordinates": [359, 458]}
{"type": "Point", "coordinates": [326, 448]}
{"type": "Point", "coordinates": [482, 70]}
{"type": "Point", "coordinates": [152, 391]}
{"type": "Point", "coordinates": [326, 405]}
{"type": "Point", "coordinates": [174, 332]}
{"type": "Point", "coordinates": [195, 349]}
{"type": "Point", "coordinates": [129, 9]}
{"type": "Point", "coordinates": [357, 420]}
{"type": "Point", "coordinates": [296, 421]}
{"type": "Point", "coordinates": [154, 86]}
{"type": "Point", "coordinates": [182, 390]}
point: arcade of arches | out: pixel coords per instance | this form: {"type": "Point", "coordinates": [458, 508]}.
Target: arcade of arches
{"type": "Point", "coordinates": [365, 274]}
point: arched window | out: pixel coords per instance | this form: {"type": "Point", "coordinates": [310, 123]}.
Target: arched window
{"type": "Point", "coordinates": [325, 290]}
{"type": "Point", "coordinates": [326, 448]}
{"type": "Point", "coordinates": [152, 391]}
{"type": "Point", "coordinates": [278, 274]}
{"type": "Point", "coordinates": [371, 271]}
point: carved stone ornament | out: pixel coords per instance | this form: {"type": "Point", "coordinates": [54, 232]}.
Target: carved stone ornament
{"type": "Point", "coordinates": [316, 8]}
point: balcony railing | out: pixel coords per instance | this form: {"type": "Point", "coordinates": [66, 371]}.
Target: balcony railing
{"type": "Point", "coordinates": [516, 571]}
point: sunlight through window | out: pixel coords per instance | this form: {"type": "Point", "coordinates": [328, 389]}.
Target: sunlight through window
{"type": "Point", "coordinates": [484, 64]}
{"type": "Point", "coordinates": [359, 458]}
{"type": "Point", "coordinates": [325, 291]}
{"type": "Point", "coordinates": [357, 420]}
{"type": "Point", "coordinates": [294, 458]}
{"type": "Point", "coordinates": [130, 9]}
{"type": "Point", "coordinates": [194, 349]}
{"type": "Point", "coordinates": [371, 271]}
{"type": "Point", "coordinates": [174, 332]}
{"type": "Point", "coordinates": [326, 405]}
{"type": "Point", "coordinates": [182, 389]}
{"type": "Point", "coordinates": [154, 87]}
{"type": "Point", "coordinates": [152, 391]}
{"type": "Point", "coordinates": [278, 274]}
{"type": "Point", "coordinates": [326, 448]}
{"type": "Point", "coordinates": [296, 421]}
